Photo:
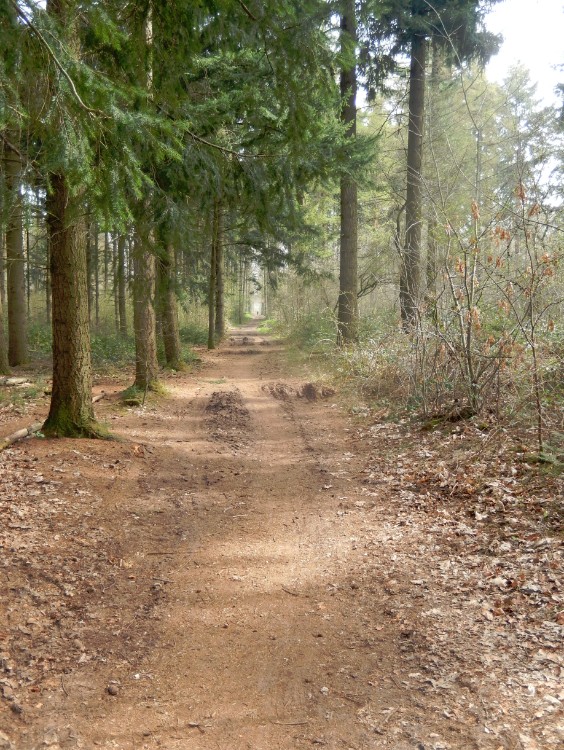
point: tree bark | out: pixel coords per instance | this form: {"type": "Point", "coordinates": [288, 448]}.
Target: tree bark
{"type": "Point", "coordinates": [71, 413]}
{"type": "Point", "coordinates": [219, 276]}
{"type": "Point", "coordinates": [106, 260]}
{"type": "Point", "coordinates": [27, 273]}
{"type": "Point", "coordinates": [15, 261]}
{"type": "Point", "coordinates": [114, 246]}
{"type": "Point", "coordinates": [96, 276]}
{"type": "Point", "coordinates": [48, 294]}
{"type": "Point", "coordinates": [432, 224]}
{"type": "Point", "coordinates": [347, 316]}
{"type": "Point", "coordinates": [240, 289]}
{"type": "Point", "coordinates": [2, 267]}
{"type": "Point", "coordinates": [4, 364]}
{"type": "Point", "coordinates": [212, 287]}
{"type": "Point", "coordinates": [121, 287]}
{"type": "Point", "coordinates": [146, 363]}
{"type": "Point", "coordinates": [410, 272]}
{"type": "Point", "coordinates": [89, 268]}
{"type": "Point", "coordinates": [169, 309]}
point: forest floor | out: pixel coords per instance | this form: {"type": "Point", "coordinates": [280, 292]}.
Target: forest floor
{"type": "Point", "coordinates": [257, 565]}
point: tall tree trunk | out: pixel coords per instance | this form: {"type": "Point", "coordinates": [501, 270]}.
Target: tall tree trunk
{"type": "Point", "coordinates": [219, 276]}
{"type": "Point", "coordinates": [89, 266]}
{"type": "Point", "coordinates": [71, 412]}
{"type": "Point", "coordinates": [241, 289]}
{"type": "Point", "coordinates": [212, 286]}
{"type": "Point", "coordinates": [432, 224]}
{"type": "Point", "coordinates": [115, 282]}
{"type": "Point", "coordinates": [96, 276]}
{"type": "Point", "coordinates": [2, 267]}
{"type": "Point", "coordinates": [15, 260]}
{"type": "Point", "coordinates": [265, 292]}
{"type": "Point", "coordinates": [48, 294]}
{"type": "Point", "coordinates": [410, 273]}
{"type": "Point", "coordinates": [169, 309]}
{"type": "Point", "coordinates": [4, 364]}
{"type": "Point", "coordinates": [27, 273]}
{"type": "Point", "coordinates": [121, 287]}
{"type": "Point", "coordinates": [146, 364]}
{"type": "Point", "coordinates": [347, 316]}
{"type": "Point", "coordinates": [43, 274]}
{"type": "Point", "coordinates": [106, 260]}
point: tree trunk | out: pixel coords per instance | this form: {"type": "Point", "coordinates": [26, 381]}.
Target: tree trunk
{"type": "Point", "coordinates": [240, 289]}
{"type": "Point", "coordinates": [48, 294]}
{"type": "Point", "coordinates": [347, 316]}
{"type": "Point", "coordinates": [219, 277]}
{"type": "Point", "coordinates": [169, 309]}
{"type": "Point", "coordinates": [115, 283]}
{"type": "Point", "coordinates": [212, 286]}
{"type": "Point", "coordinates": [71, 413]}
{"type": "Point", "coordinates": [4, 364]}
{"type": "Point", "coordinates": [121, 287]}
{"type": "Point", "coordinates": [89, 268]}
{"type": "Point", "coordinates": [106, 260]}
{"type": "Point", "coordinates": [96, 275]}
{"type": "Point", "coordinates": [2, 267]}
{"type": "Point", "coordinates": [27, 272]}
{"type": "Point", "coordinates": [15, 261]}
{"type": "Point", "coordinates": [410, 275]}
{"type": "Point", "coordinates": [432, 224]}
{"type": "Point", "coordinates": [146, 364]}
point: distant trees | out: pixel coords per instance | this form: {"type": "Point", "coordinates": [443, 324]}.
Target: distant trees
{"type": "Point", "coordinates": [160, 155]}
{"type": "Point", "coordinates": [139, 120]}
{"type": "Point", "coordinates": [409, 26]}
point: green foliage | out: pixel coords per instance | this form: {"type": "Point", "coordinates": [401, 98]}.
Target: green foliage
{"type": "Point", "coordinates": [39, 339]}
{"type": "Point", "coordinates": [193, 333]}
{"type": "Point", "coordinates": [313, 332]}
{"type": "Point", "coordinates": [112, 350]}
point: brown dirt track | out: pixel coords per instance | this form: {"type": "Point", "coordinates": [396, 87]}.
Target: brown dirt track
{"type": "Point", "coordinates": [229, 576]}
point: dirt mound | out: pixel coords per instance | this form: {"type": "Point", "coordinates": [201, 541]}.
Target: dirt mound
{"type": "Point", "coordinates": [309, 391]}
{"type": "Point", "coordinates": [228, 419]}
{"type": "Point", "coordinates": [241, 341]}
{"type": "Point", "coordinates": [242, 351]}
{"type": "Point", "coordinates": [279, 391]}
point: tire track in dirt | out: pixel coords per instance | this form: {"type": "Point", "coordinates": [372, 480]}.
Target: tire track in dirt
{"type": "Point", "coordinates": [260, 596]}
{"type": "Point", "coordinates": [245, 647]}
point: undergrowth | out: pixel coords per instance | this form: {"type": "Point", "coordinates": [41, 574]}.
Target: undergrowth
{"type": "Point", "coordinates": [420, 375]}
{"type": "Point", "coordinates": [111, 350]}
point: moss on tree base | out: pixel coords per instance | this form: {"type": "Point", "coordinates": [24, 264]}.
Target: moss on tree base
{"type": "Point", "coordinates": [62, 424]}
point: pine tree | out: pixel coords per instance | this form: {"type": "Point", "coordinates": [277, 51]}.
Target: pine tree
{"type": "Point", "coordinates": [15, 258]}
{"type": "Point", "coordinates": [347, 316]}
{"type": "Point", "coordinates": [407, 25]}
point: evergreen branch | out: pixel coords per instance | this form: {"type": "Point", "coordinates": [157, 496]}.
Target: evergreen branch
{"type": "Point", "coordinates": [33, 28]}
{"type": "Point", "coordinates": [247, 11]}
{"type": "Point", "coordinates": [223, 149]}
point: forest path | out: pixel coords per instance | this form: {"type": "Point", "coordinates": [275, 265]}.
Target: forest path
{"type": "Point", "coordinates": [226, 578]}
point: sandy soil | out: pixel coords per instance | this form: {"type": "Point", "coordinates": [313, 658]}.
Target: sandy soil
{"type": "Point", "coordinates": [253, 567]}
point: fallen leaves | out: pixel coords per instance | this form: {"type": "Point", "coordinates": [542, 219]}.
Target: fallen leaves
{"type": "Point", "coordinates": [481, 524]}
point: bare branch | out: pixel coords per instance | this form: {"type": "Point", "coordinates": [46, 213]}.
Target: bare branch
{"type": "Point", "coordinates": [247, 11]}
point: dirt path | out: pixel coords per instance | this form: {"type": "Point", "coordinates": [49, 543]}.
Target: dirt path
{"type": "Point", "coordinates": [230, 577]}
